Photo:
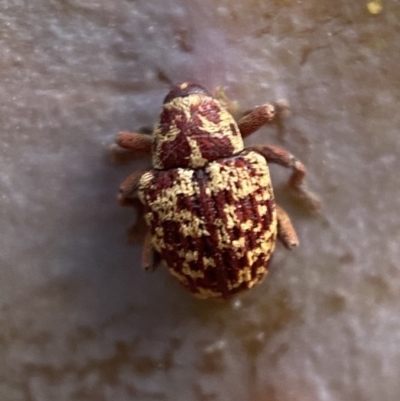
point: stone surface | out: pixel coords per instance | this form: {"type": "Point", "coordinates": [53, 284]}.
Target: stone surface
{"type": "Point", "coordinates": [79, 320]}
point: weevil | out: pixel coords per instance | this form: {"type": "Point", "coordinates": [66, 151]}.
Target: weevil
{"type": "Point", "coordinates": [208, 201]}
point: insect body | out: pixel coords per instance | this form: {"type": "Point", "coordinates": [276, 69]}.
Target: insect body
{"type": "Point", "coordinates": [208, 202]}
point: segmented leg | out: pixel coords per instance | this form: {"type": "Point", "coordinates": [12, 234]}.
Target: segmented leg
{"type": "Point", "coordinates": [128, 195]}
{"type": "Point", "coordinates": [286, 231]}
{"type": "Point", "coordinates": [150, 258]}
{"type": "Point", "coordinates": [140, 143]}
{"type": "Point", "coordinates": [129, 146]}
{"type": "Point", "coordinates": [274, 154]}
{"type": "Point", "coordinates": [231, 105]}
{"type": "Point", "coordinates": [256, 118]}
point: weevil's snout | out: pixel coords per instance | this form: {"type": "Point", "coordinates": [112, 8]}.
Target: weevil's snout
{"type": "Point", "coordinates": [185, 89]}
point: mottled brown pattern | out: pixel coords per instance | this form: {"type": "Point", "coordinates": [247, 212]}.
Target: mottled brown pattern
{"type": "Point", "coordinates": [208, 109]}
{"type": "Point", "coordinates": [214, 227]}
{"type": "Point", "coordinates": [193, 131]}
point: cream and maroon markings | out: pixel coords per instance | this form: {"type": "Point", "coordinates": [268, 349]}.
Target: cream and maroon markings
{"type": "Point", "coordinates": [193, 131]}
{"type": "Point", "coordinates": [215, 227]}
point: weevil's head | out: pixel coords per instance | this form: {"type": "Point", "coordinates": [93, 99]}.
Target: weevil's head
{"type": "Point", "coordinates": [193, 130]}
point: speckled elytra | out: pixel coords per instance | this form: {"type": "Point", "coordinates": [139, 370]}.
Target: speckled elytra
{"type": "Point", "coordinates": [208, 201]}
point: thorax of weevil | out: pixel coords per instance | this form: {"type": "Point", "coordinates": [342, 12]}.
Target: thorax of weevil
{"type": "Point", "coordinates": [192, 131]}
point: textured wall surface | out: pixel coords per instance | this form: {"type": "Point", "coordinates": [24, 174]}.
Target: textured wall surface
{"type": "Point", "coordinates": [79, 320]}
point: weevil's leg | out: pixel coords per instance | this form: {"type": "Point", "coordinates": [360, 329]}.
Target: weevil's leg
{"type": "Point", "coordinates": [274, 154]}
{"type": "Point", "coordinates": [129, 146]}
{"type": "Point", "coordinates": [259, 116]}
{"type": "Point", "coordinates": [150, 257]}
{"type": "Point", "coordinates": [286, 231]}
{"type": "Point", "coordinates": [139, 143]}
{"type": "Point", "coordinates": [231, 105]}
{"type": "Point", "coordinates": [128, 195]}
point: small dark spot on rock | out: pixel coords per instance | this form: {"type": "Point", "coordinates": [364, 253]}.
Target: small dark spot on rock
{"type": "Point", "coordinates": [334, 303]}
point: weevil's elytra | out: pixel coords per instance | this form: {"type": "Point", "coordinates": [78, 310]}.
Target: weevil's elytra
{"type": "Point", "coordinates": [223, 218]}
{"type": "Point", "coordinates": [208, 202]}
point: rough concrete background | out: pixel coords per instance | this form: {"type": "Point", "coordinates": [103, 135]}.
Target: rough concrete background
{"type": "Point", "coordinates": [79, 320]}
